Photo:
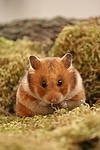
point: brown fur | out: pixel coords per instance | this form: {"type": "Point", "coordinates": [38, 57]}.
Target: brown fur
{"type": "Point", "coordinates": [34, 99]}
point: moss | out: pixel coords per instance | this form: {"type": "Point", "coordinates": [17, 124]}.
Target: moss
{"type": "Point", "coordinates": [83, 41]}
{"type": "Point", "coordinates": [77, 129]}
{"type": "Point", "coordinates": [13, 64]}
{"type": "Point", "coordinates": [61, 130]}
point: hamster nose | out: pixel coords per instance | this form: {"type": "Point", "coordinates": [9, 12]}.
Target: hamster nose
{"type": "Point", "coordinates": [53, 100]}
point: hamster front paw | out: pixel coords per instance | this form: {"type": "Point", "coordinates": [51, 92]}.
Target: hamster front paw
{"type": "Point", "coordinates": [42, 103]}
{"type": "Point", "coordinates": [63, 104]}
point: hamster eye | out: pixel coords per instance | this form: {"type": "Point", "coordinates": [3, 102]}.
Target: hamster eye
{"type": "Point", "coordinates": [44, 84]}
{"type": "Point", "coordinates": [59, 82]}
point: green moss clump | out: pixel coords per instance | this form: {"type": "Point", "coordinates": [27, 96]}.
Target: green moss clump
{"type": "Point", "coordinates": [13, 65]}
{"type": "Point", "coordinates": [83, 41]}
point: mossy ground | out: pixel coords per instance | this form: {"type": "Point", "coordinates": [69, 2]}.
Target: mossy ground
{"type": "Point", "coordinates": [63, 130]}
{"type": "Point", "coordinates": [75, 130]}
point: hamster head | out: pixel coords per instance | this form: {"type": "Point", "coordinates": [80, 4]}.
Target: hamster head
{"type": "Point", "coordinates": [50, 79]}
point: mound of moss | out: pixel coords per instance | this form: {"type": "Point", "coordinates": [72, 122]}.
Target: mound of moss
{"type": "Point", "coordinates": [83, 41]}
{"type": "Point", "coordinates": [13, 64]}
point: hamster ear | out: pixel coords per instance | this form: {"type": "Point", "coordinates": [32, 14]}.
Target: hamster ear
{"type": "Point", "coordinates": [67, 60]}
{"type": "Point", "coordinates": [35, 62]}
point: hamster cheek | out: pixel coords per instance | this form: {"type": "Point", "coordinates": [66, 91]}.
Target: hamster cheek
{"type": "Point", "coordinates": [63, 104]}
